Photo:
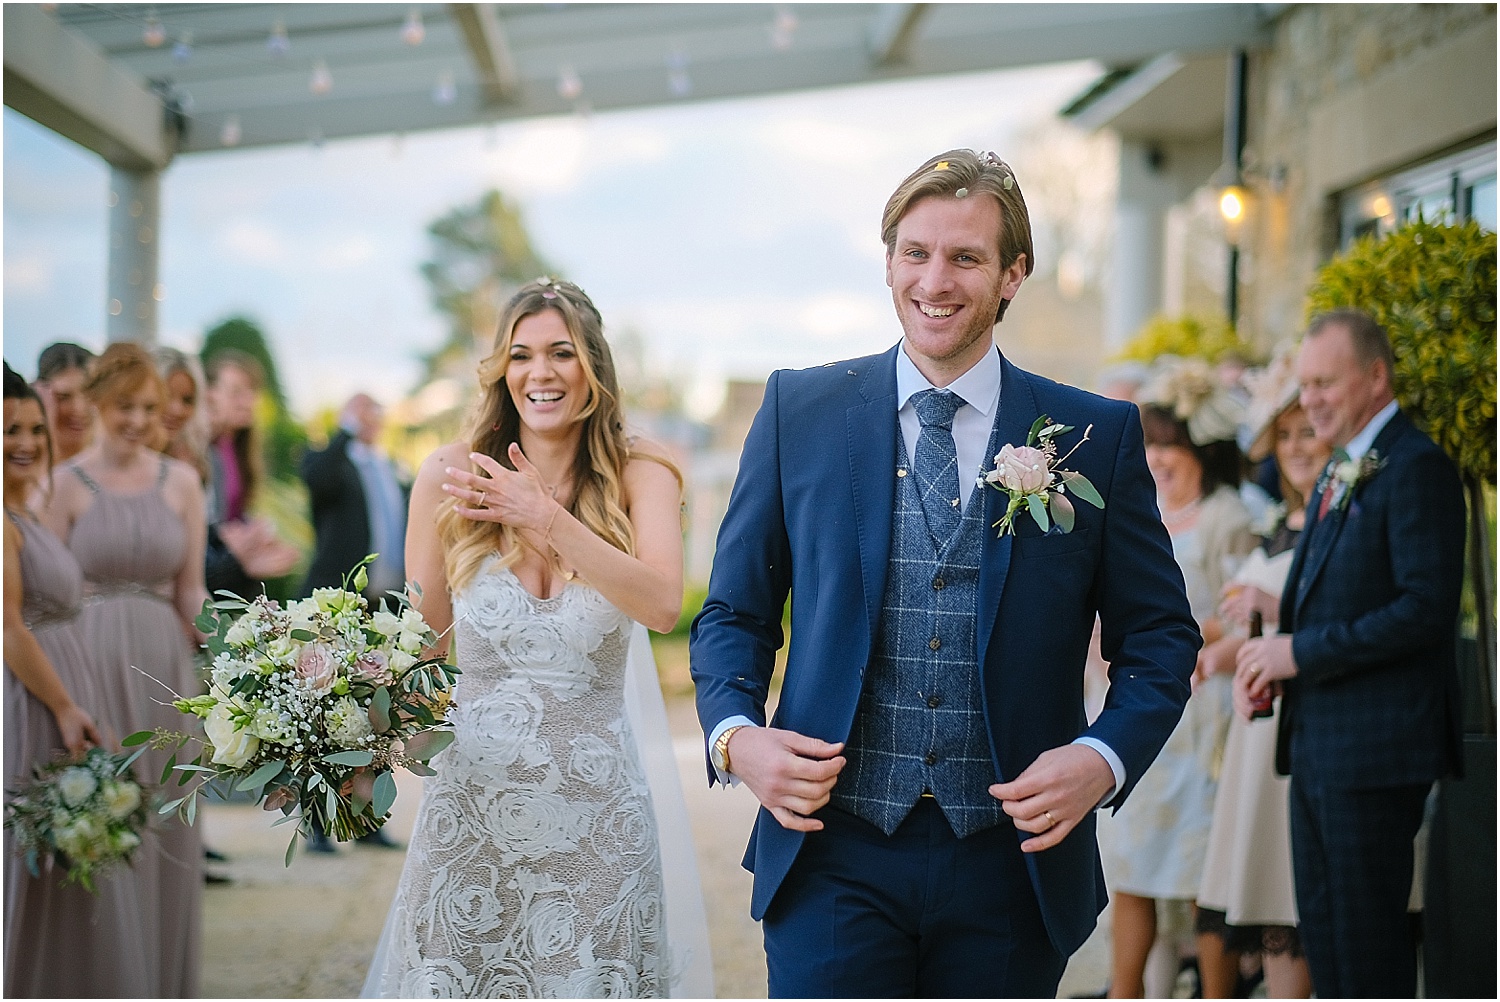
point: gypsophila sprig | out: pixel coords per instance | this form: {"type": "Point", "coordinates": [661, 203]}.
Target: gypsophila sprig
{"type": "Point", "coordinates": [312, 706]}
{"type": "Point", "coordinates": [82, 814]}
{"type": "Point", "coordinates": [1030, 476]}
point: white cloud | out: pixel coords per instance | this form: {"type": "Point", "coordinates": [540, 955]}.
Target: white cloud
{"type": "Point", "coordinates": [254, 242]}
{"type": "Point", "coordinates": [28, 274]}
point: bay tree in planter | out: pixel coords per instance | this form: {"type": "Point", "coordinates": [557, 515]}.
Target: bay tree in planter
{"type": "Point", "coordinates": [1432, 287]}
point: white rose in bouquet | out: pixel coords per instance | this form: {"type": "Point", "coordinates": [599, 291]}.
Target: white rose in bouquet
{"type": "Point", "coordinates": [76, 785]}
{"type": "Point", "coordinates": [385, 623]}
{"type": "Point", "coordinates": [240, 634]}
{"type": "Point", "coordinates": [233, 745]}
{"type": "Point", "coordinates": [121, 798]}
{"type": "Point", "coordinates": [80, 839]}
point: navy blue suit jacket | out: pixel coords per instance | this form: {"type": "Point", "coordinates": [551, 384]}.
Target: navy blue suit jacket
{"type": "Point", "coordinates": [1372, 606]}
{"type": "Point", "coordinates": [811, 514]}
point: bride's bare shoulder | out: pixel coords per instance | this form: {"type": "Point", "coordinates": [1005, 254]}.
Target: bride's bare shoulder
{"type": "Point", "coordinates": [435, 467]}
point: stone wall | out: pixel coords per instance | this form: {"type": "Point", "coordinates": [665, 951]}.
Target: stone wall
{"type": "Point", "coordinates": [1347, 93]}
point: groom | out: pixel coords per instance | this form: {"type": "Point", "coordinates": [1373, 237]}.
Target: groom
{"type": "Point", "coordinates": [929, 780]}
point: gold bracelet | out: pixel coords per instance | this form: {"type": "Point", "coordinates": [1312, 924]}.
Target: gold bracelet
{"type": "Point", "coordinates": [547, 532]}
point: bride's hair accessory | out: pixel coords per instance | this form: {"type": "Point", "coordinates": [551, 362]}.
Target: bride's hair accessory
{"type": "Point", "coordinates": [1188, 389]}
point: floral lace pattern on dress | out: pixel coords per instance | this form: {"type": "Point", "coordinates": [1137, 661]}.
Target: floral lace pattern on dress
{"type": "Point", "coordinates": [534, 868]}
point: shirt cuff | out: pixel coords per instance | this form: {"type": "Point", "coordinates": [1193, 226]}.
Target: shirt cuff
{"type": "Point", "coordinates": [1115, 766]}
{"type": "Point", "coordinates": [727, 778]}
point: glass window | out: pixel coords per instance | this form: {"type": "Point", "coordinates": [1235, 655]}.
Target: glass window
{"type": "Point", "coordinates": [1460, 186]}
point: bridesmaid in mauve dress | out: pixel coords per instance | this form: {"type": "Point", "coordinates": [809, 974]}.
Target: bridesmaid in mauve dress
{"type": "Point", "coordinates": [60, 941]}
{"type": "Point", "coordinates": [134, 521]}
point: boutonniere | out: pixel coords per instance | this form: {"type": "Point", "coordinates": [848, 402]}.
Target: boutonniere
{"type": "Point", "coordinates": [1345, 475]}
{"type": "Point", "coordinates": [1030, 476]}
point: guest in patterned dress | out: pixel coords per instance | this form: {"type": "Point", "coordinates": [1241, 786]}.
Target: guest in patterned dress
{"type": "Point", "coordinates": [134, 520]}
{"type": "Point", "coordinates": [60, 941]}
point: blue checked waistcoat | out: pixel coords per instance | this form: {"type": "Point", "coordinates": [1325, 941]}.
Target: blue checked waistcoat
{"type": "Point", "coordinates": [920, 726]}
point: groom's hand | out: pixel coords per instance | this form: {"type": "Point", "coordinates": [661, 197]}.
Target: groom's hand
{"type": "Point", "coordinates": [1054, 793]}
{"type": "Point", "coordinates": [789, 773]}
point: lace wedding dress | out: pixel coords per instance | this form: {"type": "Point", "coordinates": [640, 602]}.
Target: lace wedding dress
{"type": "Point", "coordinates": [536, 864]}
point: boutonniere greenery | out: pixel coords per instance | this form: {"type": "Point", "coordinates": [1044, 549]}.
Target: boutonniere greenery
{"type": "Point", "coordinates": [1030, 476]}
{"type": "Point", "coordinates": [1347, 474]}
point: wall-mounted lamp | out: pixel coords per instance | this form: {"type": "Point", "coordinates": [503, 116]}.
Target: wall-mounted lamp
{"type": "Point", "coordinates": [1234, 205]}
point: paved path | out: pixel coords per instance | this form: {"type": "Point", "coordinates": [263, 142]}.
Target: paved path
{"type": "Point", "coordinates": [308, 930]}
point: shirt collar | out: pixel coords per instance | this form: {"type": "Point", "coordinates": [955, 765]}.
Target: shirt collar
{"type": "Point", "coordinates": [1360, 443]}
{"type": "Point", "coordinates": [979, 387]}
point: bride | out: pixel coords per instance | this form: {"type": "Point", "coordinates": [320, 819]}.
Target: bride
{"type": "Point", "coordinates": [551, 855]}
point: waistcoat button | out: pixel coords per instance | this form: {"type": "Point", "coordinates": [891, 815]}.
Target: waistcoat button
{"type": "Point", "coordinates": [931, 758]}
{"type": "Point", "coordinates": [934, 701]}
{"type": "Point", "coordinates": [938, 584]}
{"type": "Point", "coordinates": [934, 644]}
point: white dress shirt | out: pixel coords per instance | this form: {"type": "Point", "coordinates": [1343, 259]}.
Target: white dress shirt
{"type": "Point", "coordinates": [1361, 443]}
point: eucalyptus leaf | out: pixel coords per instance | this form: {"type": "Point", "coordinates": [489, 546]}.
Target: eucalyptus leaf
{"type": "Point", "coordinates": [1038, 511]}
{"type": "Point", "coordinates": [1062, 512]}
{"type": "Point", "coordinates": [261, 776]}
{"type": "Point", "coordinates": [1080, 485]}
{"type": "Point", "coordinates": [138, 738]}
{"type": "Point", "coordinates": [349, 758]}
{"type": "Point", "coordinates": [303, 635]}
{"type": "Point", "coordinates": [291, 849]}
{"type": "Point", "coordinates": [166, 771]}
{"type": "Point", "coordinates": [170, 806]}
{"type": "Point", "coordinates": [192, 808]}
{"type": "Point", "coordinates": [423, 746]}
{"type": "Point", "coordinates": [421, 769]}
{"type": "Point", "coordinates": [385, 794]}
{"type": "Point", "coordinates": [380, 710]}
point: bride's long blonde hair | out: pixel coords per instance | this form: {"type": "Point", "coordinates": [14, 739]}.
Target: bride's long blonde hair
{"type": "Point", "coordinates": [598, 473]}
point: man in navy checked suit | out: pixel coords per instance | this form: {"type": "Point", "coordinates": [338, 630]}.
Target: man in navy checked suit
{"type": "Point", "coordinates": [1370, 714]}
{"type": "Point", "coordinates": [929, 781]}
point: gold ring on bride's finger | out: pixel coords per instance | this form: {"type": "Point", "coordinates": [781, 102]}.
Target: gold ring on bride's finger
{"type": "Point", "coordinates": [1051, 821]}
{"type": "Point", "coordinates": [1254, 670]}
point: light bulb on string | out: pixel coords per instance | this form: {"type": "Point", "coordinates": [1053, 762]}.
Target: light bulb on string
{"type": "Point", "coordinates": [182, 49]}
{"type": "Point", "coordinates": [569, 85]}
{"type": "Point", "coordinates": [412, 32]}
{"type": "Point", "coordinates": [783, 28]}
{"type": "Point", "coordinates": [315, 138]}
{"type": "Point", "coordinates": [445, 92]}
{"type": "Point", "coordinates": [321, 81]}
{"type": "Point", "coordinates": [154, 33]}
{"type": "Point", "coordinates": [677, 74]}
{"type": "Point", "coordinates": [230, 133]}
{"type": "Point", "coordinates": [277, 43]}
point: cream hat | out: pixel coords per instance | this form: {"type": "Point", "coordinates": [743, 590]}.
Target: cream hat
{"type": "Point", "coordinates": [1273, 390]}
{"type": "Point", "coordinates": [1189, 389]}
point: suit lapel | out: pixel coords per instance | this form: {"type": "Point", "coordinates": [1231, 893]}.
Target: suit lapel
{"type": "Point", "coordinates": [1322, 534]}
{"type": "Point", "coordinates": [871, 429]}
{"type": "Point", "coordinates": [1017, 412]}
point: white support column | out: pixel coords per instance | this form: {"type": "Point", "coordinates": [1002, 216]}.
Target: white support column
{"type": "Point", "coordinates": [1135, 294]}
{"type": "Point", "coordinates": [134, 240]}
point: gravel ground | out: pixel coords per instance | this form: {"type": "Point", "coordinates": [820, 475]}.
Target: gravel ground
{"type": "Point", "coordinates": [309, 930]}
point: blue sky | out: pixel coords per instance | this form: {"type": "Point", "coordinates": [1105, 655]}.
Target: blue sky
{"type": "Point", "coordinates": [734, 237]}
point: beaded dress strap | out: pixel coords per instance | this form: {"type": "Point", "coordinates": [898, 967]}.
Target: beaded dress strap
{"type": "Point", "coordinates": [88, 481]}
{"type": "Point", "coordinates": [161, 473]}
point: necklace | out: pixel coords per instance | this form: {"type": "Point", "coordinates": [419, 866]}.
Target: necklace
{"type": "Point", "coordinates": [1178, 516]}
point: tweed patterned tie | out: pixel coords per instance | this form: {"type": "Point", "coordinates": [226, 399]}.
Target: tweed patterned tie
{"type": "Point", "coordinates": [936, 462]}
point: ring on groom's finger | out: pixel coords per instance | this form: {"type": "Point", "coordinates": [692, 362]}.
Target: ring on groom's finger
{"type": "Point", "coordinates": [1051, 821]}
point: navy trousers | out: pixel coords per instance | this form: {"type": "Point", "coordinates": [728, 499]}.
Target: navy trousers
{"type": "Point", "coordinates": [917, 914]}
{"type": "Point", "coordinates": [1352, 865]}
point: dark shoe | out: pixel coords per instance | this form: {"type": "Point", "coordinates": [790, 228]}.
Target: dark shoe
{"type": "Point", "coordinates": [318, 842]}
{"type": "Point", "coordinates": [378, 839]}
{"type": "Point", "coordinates": [216, 878]}
{"type": "Point", "coordinates": [214, 856]}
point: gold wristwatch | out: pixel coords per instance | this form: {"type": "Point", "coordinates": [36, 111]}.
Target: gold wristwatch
{"type": "Point", "coordinates": [720, 756]}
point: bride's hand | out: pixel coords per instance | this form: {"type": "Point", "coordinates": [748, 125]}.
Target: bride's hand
{"type": "Point", "coordinates": [516, 497]}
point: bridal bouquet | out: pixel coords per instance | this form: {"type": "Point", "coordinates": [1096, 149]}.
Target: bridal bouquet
{"type": "Point", "coordinates": [312, 706]}
{"type": "Point", "coordinates": [86, 814]}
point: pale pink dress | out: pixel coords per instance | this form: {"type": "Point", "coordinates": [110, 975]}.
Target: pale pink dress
{"type": "Point", "coordinates": [131, 548]}
{"type": "Point", "coordinates": [61, 941]}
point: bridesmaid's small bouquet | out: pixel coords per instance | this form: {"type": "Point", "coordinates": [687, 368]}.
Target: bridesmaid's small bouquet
{"type": "Point", "coordinates": [312, 706]}
{"type": "Point", "coordinates": [84, 814]}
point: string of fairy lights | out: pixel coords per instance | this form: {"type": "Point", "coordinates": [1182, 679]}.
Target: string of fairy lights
{"type": "Point", "coordinates": [158, 32]}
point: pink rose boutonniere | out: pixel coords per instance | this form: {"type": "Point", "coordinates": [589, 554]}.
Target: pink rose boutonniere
{"type": "Point", "coordinates": [1029, 474]}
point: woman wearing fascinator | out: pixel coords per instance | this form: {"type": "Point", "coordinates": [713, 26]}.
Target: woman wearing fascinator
{"type": "Point", "coordinates": [1245, 903]}
{"type": "Point", "coordinates": [551, 855]}
{"type": "Point", "coordinates": [1155, 843]}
